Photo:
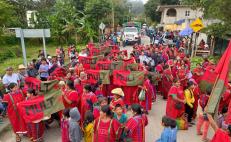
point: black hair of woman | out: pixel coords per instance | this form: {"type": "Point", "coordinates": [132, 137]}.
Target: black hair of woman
{"type": "Point", "coordinates": [88, 88]}
{"type": "Point", "coordinates": [165, 121]}
{"type": "Point", "coordinates": [189, 84]}
{"type": "Point", "coordinates": [137, 109]}
{"type": "Point", "coordinates": [106, 109]}
{"type": "Point", "coordinates": [70, 84]}
{"type": "Point", "coordinates": [31, 91]}
{"type": "Point", "coordinates": [11, 86]}
{"type": "Point", "coordinates": [66, 112]}
{"type": "Point", "coordinates": [88, 118]}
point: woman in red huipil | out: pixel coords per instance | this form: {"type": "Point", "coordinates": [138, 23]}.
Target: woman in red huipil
{"type": "Point", "coordinates": [12, 98]}
{"type": "Point", "coordinates": [35, 129]}
{"type": "Point", "coordinates": [176, 101]}
{"type": "Point", "coordinates": [159, 70]}
{"type": "Point", "coordinates": [106, 128]}
{"type": "Point", "coordinates": [88, 99]}
{"type": "Point", "coordinates": [182, 75]}
{"type": "Point", "coordinates": [198, 73]}
{"type": "Point", "coordinates": [135, 126]}
{"type": "Point", "coordinates": [167, 79]}
{"type": "Point", "coordinates": [70, 95]}
{"type": "Point", "coordinates": [147, 103]}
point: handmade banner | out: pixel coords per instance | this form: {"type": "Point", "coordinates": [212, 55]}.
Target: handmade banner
{"type": "Point", "coordinates": [31, 82]}
{"type": "Point", "coordinates": [100, 50]}
{"type": "Point", "coordinates": [221, 83]}
{"type": "Point", "coordinates": [207, 80]}
{"type": "Point", "coordinates": [42, 106]}
{"type": "Point", "coordinates": [109, 65]}
{"type": "Point", "coordinates": [93, 76]}
{"type": "Point", "coordinates": [88, 62]}
{"type": "Point", "coordinates": [128, 78]}
{"type": "Point", "coordinates": [132, 67]}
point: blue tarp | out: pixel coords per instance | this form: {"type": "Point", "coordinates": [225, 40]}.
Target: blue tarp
{"type": "Point", "coordinates": [187, 31]}
{"type": "Point", "coordinates": [179, 22]}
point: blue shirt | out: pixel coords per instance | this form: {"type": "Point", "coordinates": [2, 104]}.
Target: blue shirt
{"type": "Point", "coordinates": [44, 68]}
{"type": "Point", "coordinates": [168, 135]}
{"type": "Point", "coordinates": [123, 118]}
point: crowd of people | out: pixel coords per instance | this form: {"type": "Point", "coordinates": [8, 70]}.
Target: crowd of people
{"type": "Point", "coordinates": [93, 115]}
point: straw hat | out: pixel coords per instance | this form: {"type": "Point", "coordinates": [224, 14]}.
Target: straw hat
{"type": "Point", "coordinates": [21, 67]}
{"type": "Point", "coordinates": [118, 91]}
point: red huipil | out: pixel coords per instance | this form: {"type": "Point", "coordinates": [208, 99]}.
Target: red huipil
{"type": "Point", "coordinates": [220, 136]}
{"type": "Point", "coordinates": [35, 131]}
{"type": "Point", "coordinates": [130, 94]}
{"type": "Point", "coordinates": [171, 110]}
{"type": "Point", "coordinates": [73, 97]}
{"type": "Point", "coordinates": [197, 74]}
{"type": "Point", "coordinates": [159, 69]}
{"type": "Point", "coordinates": [166, 82]}
{"type": "Point", "coordinates": [65, 130]}
{"type": "Point", "coordinates": [182, 76]}
{"type": "Point", "coordinates": [197, 94]}
{"type": "Point", "coordinates": [106, 131]}
{"type": "Point", "coordinates": [84, 103]}
{"type": "Point", "coordinates": [147, 103]}
{"type": "Point", "coordinates": [225, 99]}
{"type": "Point", "coordinates": [115, 102]}
{"type": "Point", "coordinates": [18, 124]}
{"type": "Point", "coordinates": [136, 128]}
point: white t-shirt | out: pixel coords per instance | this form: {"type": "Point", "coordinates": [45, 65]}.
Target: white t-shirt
{"type": "Point", "coordinates": [10, 79]}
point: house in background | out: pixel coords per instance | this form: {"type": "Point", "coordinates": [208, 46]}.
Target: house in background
{"type": "Point", "coordinates": [178, 17]}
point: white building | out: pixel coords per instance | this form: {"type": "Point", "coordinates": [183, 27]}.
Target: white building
{"type": "Point", "coordinates": [177, 17]}
{"type": "Point", "coordinates": [31, 18]}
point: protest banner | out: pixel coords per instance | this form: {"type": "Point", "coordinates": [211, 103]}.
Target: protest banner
{"type": "Point", "coordinates": [89, 62]}
{"type": "Point", "coordinates": [109, 65]}
{"type": "Point", "coordinates": [42, 106]}
{"type": "Point", "coordinates": [31, 82]}
{"type": "Point", "coordinates": [128, 78]}
{"type": "Point", "coordinates": [93, 76]}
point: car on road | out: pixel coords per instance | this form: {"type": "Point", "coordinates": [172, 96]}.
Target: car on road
{"type": "Point", "coordinates": [132, 35]}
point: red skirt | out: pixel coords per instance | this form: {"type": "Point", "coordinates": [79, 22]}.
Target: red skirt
{"type": "Point", "coordinates": [35, 131]}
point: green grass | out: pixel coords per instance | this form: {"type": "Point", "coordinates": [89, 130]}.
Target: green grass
{"type": "Point", "coordinates": [31, 51]}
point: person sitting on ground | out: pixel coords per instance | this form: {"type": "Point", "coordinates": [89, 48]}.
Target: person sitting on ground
{"type": "Point", "coordinates": [22, 74]}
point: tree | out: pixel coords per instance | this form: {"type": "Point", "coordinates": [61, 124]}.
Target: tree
{"type": "Point", "coordinates": [150, 10]}
{"type": "Point", "coordinates": [65, 21]}
{"type": "Point", "coordinates": [151, 6]}
{"type": "Point", "coordinates": [215, 9]}
{"type": "Point", "coordinates": [98, 11]}
{"type": "Point", "coordinates": [6, 14]}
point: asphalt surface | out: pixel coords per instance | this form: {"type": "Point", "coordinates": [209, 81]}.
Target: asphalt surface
{"type": "Point", "coordinates": [152, 131]}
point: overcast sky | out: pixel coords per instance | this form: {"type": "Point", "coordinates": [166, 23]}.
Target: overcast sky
{"type": "Point", "coordinates": [144, 1]}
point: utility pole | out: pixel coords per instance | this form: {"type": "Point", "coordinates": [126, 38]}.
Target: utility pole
{"type": "Point", "coordinates": [113, 16]}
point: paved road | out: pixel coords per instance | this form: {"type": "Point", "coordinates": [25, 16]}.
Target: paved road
{"type": "Point", "coordinates": [153, 130]}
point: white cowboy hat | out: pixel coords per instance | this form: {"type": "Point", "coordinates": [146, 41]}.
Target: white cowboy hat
{"type": "Point", "coordinates": [118, 91]}
{"type": "Point", "coordinates": [21, 67]}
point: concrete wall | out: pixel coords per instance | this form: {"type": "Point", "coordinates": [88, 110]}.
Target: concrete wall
{"type": "Point", "coordinates": [180, 14]}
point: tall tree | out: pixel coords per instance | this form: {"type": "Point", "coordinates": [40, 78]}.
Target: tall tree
{"type": "Point", "coordinates": [215, 9]}
{"type": "Point", "coordinates": [98, 11]}
{"type": "Point", "coordinates": [151, 6]}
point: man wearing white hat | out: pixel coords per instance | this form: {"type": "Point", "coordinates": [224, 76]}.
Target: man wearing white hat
{"type": "Point", "coordinates": [22, 74]}
{"type": "Point", "coordinates": [118, 95]}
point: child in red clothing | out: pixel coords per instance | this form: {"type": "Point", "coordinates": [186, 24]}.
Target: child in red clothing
{"type": "Point", "coordinates": [65, 125]}
{"type": "Point", "coordinates": [202, 119]}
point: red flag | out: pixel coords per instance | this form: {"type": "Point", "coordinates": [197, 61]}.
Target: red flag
{"type": "Point", "coordinates": [222, 71]}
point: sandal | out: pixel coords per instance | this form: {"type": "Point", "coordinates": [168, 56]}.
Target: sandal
{"type": "Point", "coordinates": [18, 139]}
